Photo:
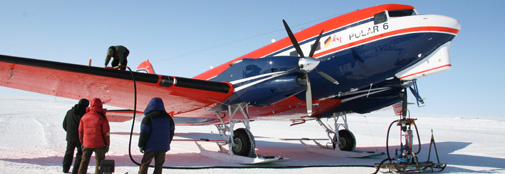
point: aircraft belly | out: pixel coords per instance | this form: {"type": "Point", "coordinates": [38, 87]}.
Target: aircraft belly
{"type": "Point", "coordinates": [288, 109]}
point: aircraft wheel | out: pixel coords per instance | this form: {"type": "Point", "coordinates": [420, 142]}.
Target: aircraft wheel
{"type": "Point", "coordinates": [347, 141]}
{"type": "Point", "coordinates": [242, 142]}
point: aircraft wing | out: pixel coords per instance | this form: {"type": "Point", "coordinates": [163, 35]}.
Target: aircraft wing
{"type": "Point", "coordinates": [113, 87]}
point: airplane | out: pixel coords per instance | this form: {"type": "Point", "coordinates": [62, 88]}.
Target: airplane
{"type": "Point", "coordinates": [358, 62]}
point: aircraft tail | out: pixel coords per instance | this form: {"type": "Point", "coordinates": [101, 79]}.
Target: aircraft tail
{"type": "Point", "coordinates": [146, 67]}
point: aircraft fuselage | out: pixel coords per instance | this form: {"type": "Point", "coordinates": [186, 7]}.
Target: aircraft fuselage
{"type": "Point", "coordinates": [360, 50]}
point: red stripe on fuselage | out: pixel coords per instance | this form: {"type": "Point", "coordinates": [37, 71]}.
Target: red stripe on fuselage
{"type": "Point", "coordinates": [388, 34]}
{"type": "Point", "coordinates": [444, 29]}
{"type": "Point", "coordinates": [420, 72]}
{"type": "Point", "coordinates": [308, 33]}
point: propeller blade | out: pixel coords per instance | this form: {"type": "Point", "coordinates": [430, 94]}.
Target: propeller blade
{"type": "Point", "coordinates": [308, 95]}
{"type": "Point", "coordinates": [293, 39]}
{"type": "Point", "coordinates": [315, 45]}
{"type": "Point", "coordinates": [327, 77]}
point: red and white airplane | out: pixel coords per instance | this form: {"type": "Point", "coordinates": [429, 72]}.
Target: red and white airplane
{"type": "Point", "coordinates": [354, 63]}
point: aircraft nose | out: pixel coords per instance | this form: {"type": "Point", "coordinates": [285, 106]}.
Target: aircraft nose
{"type": "Point", "coordinates": [437, 21]}
{"type": "Point", "coordinates": [451, 22]}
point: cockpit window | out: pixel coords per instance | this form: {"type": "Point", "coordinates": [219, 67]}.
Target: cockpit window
{"type": "Point", "coordinates": [399, 13]}
{"type": "Point", "coordinates": [380, 18]}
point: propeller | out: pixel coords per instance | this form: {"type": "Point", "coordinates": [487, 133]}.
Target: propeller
{"type": "Point", "coordinates": [307, 64]}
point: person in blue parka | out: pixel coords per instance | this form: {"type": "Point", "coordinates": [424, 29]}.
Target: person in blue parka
{"type": "Point", "coordinates": [156, 134]}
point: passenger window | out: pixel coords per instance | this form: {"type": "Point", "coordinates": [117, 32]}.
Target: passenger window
{"type": "Point", "coordinates": [293, 53]}
{"type": "Point", "coordinates": [399, 13]}
{"type": "Point", "coordinates": [380, 18]}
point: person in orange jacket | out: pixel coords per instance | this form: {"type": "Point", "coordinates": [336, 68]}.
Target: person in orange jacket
{"type": "Point", "coordinates": [94, 134]}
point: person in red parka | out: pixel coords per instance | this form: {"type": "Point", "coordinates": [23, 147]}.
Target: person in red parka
{"type": "Point", "coordinates": [94, 134]}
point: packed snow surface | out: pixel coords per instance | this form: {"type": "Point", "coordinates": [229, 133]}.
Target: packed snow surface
{"type": "Point", "coordinates": [33, 141]}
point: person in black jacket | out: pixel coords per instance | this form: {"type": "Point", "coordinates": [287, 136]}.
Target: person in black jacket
{"type": "Point", "coordinates": [119, 54]}
{"type": "Point", "coordinates": [156, 134]}
{"type": "Point", "coordinates": [71, 126]}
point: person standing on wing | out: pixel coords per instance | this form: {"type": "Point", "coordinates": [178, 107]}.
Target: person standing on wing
{"type": "Point", "coordinates": [71, 126]}
{"type": "Point", "coordinates": [156, 134]}
{"type": "Point", "coordinates": [94, 133]}
{"type": "Point", "coordinates": [119, 53]}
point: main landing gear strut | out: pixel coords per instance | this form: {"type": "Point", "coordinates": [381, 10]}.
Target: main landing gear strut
{"type": "Point", "coordinates": [341, 138]}
{"type": "Point", "coordinates": [241, 143]}
{"type": "Point", "coordinates": [343, 142]}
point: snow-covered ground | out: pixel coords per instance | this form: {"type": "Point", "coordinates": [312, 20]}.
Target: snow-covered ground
{"type": "Point", "coordinates": [33, 141]}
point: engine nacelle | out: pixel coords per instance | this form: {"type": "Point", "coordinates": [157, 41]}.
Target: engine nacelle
{"type": "Point", "coordinates": [247, 68]}
{"type": "Point", "coordinates": [261, 82]}
{"type": "Point", "coordinates": [271, 91]}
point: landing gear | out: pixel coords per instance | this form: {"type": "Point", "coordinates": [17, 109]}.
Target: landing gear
{"type": "Point", "coordinates": [341, 138]}
{"type": "Point", "coordinates": [241, 144]}
{"type": "Point", "coordinates": [240, 141]}
{"type": "Point", "coordinates": [346, 141]}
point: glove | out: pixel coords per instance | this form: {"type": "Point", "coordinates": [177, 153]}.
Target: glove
{"type": "Point", "coordinates": [106, 148]}
{"type": "Point", "coordinates": [141, 149]}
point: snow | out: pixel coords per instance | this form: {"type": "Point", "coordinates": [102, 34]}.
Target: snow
{"type": "Point", "coordinates": [33, 141]}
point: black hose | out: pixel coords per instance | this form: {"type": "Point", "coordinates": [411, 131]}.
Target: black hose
{"type": "Point", "coordinates": [418, 139]}
{"type": "Point", "coordinates": [380, 164]}
{"type": "Point", "coordinates": [212, 167]}
{"type": "Point", "coordinates": [133, 120]}
{"type": "Point", "coordinates": [263, 167]}
{"type": "Point", "coordinates": [387, 138]}
{"type": "Point", "coordinates": [387, 144]}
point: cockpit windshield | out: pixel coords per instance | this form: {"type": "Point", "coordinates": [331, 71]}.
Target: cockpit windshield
{"type": "Point", "coordinates": [399, 13]}
{"type": "Point", "coordinates": [383, 16]}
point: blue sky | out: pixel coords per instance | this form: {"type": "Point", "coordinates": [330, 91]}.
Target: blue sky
{"type": "Point", "coordinates": [185, 38]}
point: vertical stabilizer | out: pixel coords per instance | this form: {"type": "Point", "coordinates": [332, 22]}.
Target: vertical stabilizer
{"type": "Point", "coordinates": [146, 67]}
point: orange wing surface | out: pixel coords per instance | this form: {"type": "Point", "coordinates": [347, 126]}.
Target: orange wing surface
{"type": "Point", "coordinates": [113, 87]}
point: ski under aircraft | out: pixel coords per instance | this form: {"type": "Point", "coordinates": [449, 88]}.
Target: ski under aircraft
{"type": "Point", "coordinates": [354, 63]}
